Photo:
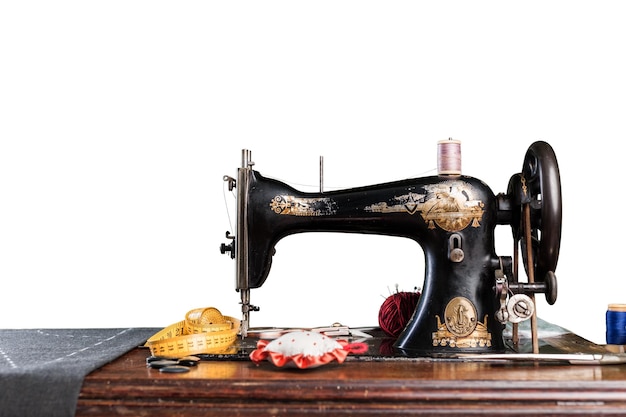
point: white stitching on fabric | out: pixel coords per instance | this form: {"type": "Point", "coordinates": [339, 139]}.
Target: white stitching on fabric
{"type": "Point", "coordinates": [69, 355]}
{"type": "Point", "coordinates": [7, 358]}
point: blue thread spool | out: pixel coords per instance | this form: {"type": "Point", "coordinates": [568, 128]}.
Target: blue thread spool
{"type": "Point", "coordinates": [616, 324]}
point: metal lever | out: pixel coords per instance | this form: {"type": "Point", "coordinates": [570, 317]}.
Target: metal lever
{"type": "Point", "coordinates": [232, 183]}
{"type": "Point", "coordinates": [548, 287]}
{"type": "Point", "coordinates": [570, 358]}
{"type": "Point", "coordinates": [228, 248]}
{"type": "Point", "coordinates": [455, 251]}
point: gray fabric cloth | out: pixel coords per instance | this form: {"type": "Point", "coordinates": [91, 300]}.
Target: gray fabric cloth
{"type": "Point", "coordinates": [42, 370]}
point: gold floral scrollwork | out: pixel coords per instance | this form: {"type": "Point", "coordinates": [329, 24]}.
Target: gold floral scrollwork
{"type": "Point", "coordinates": [295, 206]}
{"type": "Point", "coordinates": [451, 205]}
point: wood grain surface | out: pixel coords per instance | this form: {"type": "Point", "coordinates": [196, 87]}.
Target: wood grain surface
{"type": "Point", "coordinates": [358, 387]}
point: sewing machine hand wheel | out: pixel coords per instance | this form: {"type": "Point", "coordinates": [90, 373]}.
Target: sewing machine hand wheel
{"type": "Point", "coordinates": [538, 189]}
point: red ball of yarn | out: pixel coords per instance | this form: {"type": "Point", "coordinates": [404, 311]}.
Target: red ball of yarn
{"type": "Point", "coordinates": [395, 312]}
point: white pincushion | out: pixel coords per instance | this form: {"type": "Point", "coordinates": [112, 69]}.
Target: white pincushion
{"type": "Point", "coordinates": [304, 343]}
{"type": "Point", "coordinates": [304, 349]}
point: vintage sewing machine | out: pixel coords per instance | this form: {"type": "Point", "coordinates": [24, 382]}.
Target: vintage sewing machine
{"type": "Point", "coordinates": [469, 292]}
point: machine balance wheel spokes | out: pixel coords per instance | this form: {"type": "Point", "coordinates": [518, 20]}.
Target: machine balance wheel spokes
{"type": "Point", "coordinates": [537, 224]}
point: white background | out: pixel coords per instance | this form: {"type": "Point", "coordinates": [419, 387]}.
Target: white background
{"type": "Point", "coordinates": [118, 120]}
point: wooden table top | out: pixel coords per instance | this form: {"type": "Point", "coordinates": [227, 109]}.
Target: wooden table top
{"type": "Point", "coordinates": [359, 386]}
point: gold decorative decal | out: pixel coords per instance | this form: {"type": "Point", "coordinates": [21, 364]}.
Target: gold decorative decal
{"type": "Point", "coordinates": [293, 206]}
{"type": "Point", "coordinates": [449, 205]}
{"type": "Point", "coordinates": [409, 203]}
{"type": "Point", "coordinates": [460, 316]}
{"type": "Point", "coordinates": [460, 327]}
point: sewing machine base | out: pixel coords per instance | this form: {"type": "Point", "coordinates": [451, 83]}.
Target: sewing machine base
{"type": "Point", "coordinates": [380, 345]}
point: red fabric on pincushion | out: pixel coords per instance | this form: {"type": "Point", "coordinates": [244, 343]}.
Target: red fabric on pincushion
{"type": "Point", "coordinates": [304, 350]}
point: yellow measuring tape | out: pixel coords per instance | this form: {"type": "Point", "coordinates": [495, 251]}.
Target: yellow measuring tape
{"type": "Point", "coordinates": [204, 330]}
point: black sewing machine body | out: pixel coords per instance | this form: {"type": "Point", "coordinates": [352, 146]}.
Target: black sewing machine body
{"type": "Point", "coordinates": [444, 215]}
{"type": "Point", "coordinates": [452, 218]}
